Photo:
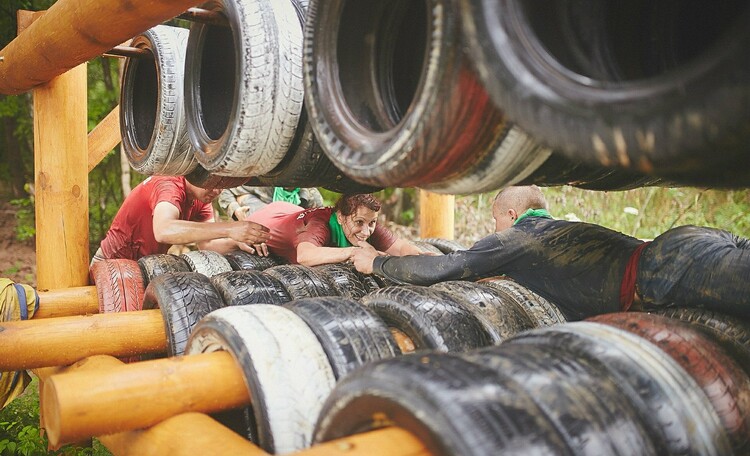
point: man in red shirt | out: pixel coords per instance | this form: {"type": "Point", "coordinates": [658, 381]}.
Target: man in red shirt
{"type": "Point", "coordinates": [327, 234]}
{"type": "Point", "coordinates": [166, 210]}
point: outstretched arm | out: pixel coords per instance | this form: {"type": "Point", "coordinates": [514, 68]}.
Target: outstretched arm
{"type": "Point", "coordinates": [219, 236]}
{"type": "Point", "coordinates": [309, 254]}
{"type": "Point", "coordinates": [402, 247]}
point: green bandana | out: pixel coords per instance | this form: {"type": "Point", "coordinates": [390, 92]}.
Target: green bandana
{"type": "Point", "coordinates": [337, 233]}
{"type": "Point", "coordinates": [290, 196]}
{"type": "Point", "coordinates": [533, 213]}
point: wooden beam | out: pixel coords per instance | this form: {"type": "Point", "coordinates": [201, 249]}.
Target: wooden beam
{"type": "Point", "coordinates": [104, 137]}
{"type": "Point", "coordinates": [75, 31]}
{"type": "Point", "coordinates": [61, 341]}
{"type": "Point", "coordinates": [78, 405]}
{"type": "Point", "coordinates": [436, 215]}
{"type": "Point", "coordinates": [25, 18]}
{"type": "Point", "coordinates": [61, 179]}
{"type": "Point", "coordinates": [390, 441]}
{"type": "Point", "coordinates": [66, 302]}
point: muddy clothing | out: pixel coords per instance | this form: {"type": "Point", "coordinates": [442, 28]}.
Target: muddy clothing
{"type": "Point", "coordinates": [131, 235]}
{"type": "Point", "coordinates": [256, 198]}
{"type": "Point", "coordinates": [580, 266]}
{"type": "Point", "coordinates": [290, 225]}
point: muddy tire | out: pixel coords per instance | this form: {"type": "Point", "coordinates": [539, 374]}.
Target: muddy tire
{"type": "Point", "coordinates": [350, 334]}
{"type": "Point", "coordinates": [244, 261]}
{"type": "Point", "coordinates": [451, 406]}
{"type": "Point", "coordinates": [539, 309]}
{"type": "Point", "coordinates": [286, 370]}
{"type": "Point", "coordinates": [301, 281]}
{"type": "Point", "coordinates": [345, 280]}
{"type": "Point", "coordinates": [239, 288]}
{"type": "Point", "coordinates": [432, 319]}
{"type": "Point", "coordinates": [184, 298]}
{"type": "Point", "coordinates": [501, 317]}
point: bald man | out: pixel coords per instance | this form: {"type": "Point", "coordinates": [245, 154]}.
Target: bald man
{"type": "Point", "coordinates": [587, 269]}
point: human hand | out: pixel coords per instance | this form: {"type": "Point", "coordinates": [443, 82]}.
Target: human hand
{"type": "Point", "coordinates": [363, 257]}
{"type": "Point", "coordinates": [249, 232]}
{"type": "Point", "coordinates": [261, 249]}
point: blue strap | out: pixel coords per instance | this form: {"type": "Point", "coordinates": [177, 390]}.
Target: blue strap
{"type": "Point", "coordinates": [21, 292]}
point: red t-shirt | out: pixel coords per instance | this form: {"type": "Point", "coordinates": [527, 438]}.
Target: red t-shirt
{"type": "Point", "coordinates": [290, 225]}
{"type": "Point", "coordinates": [131, 235]}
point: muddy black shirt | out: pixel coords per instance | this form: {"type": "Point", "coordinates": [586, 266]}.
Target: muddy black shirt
{"type": "Point", "coordinates": [577, 266]}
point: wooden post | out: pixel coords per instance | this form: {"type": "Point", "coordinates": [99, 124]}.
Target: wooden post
{"type": "Point", "coordinates": [79, 404]}
{"type": "Point", "coordinates": [67, 302]}
{"type": "Point", "coordinates": [436, 215]}
{"type": "Point", "coordinates": [62, 190]}
{"type": "Point", "coordinates": [75, 31]}
{"type": "Point", "coordinates": [61, 341]}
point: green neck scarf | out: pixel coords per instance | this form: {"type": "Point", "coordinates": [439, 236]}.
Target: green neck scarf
{"type": "Point", "coordinates": [533, 213]}
{"type": "Point", "coordinates": [290, 196]}
{"type": "Point", "coordinates": [337, 233]}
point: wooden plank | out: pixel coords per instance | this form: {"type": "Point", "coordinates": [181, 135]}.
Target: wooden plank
{"type": "Point", "coordinates": [143, 394]}
{"type": "Point", "coordinates": [61, 179]}
{"type": "Point", "coordinates": [61, 341]}
{"type": "Point", "coordinates": [104, 137]}
{"type": "Point", "coordinates": [25, 18]}
{"type": "Point", "coordinates": [436, 215]}
{"type": "Point", "coordinates": [75, 31]}
{"type": "Point", "coordinates": [67, 302]}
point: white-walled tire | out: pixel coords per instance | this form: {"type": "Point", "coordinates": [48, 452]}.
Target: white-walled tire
{"type": "Point", "coordinates": [152, 108]}
{"type": "Point", "coordinates": [243, 86]}
{"type": "Point", "coordinates": [286, 370]}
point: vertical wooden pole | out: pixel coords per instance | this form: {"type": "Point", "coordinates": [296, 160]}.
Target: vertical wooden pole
{"type": "Point", "coordinates": [436, 215]}
{"type": "Point", "coordinates": [61, 181]}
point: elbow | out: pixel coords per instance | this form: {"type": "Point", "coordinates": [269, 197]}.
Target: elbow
{"type": "Point", "coordinates": [305, 260]}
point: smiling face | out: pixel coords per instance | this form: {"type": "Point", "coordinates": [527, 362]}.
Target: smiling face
{"type": "Point", "coordinates": [359, 225]}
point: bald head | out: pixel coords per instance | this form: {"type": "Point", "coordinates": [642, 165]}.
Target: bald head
{"type": "Point", "coordinates": [511, 202]}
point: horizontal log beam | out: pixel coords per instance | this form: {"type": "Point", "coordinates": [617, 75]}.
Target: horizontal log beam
{"type": "Point", "coordinates": [61, 341]}
{"type": "Point", "coordinates": [78, 405]}
{"type": "Point", "coordinates": [66, 302]}
{"type": "Point", "coordinates": [75, 31]}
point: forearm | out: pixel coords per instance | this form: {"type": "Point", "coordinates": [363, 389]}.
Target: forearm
{"type": "Point", "coordinates": [420, 269]}
{"type": "Point", "coordinates": [185, 232]}
{"type": "Point", "coordinates": [314, 255]}
{"type": "Point", "coordinates": [222, 245]}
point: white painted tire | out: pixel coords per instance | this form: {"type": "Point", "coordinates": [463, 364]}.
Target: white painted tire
{"type": "Point", "coordinates": [207, 262]}
{"type": "Point", "coordinates": [152, 110]}
{"type": "Point", "coordinates": [243, 86]}
{"type": "Point", "coordinates": [286, 369]}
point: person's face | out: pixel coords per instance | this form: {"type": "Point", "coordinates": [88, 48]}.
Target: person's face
{"type": "Point", "coordinates": [504, 217]}
{"type": "Point", "coordinates": [359, 225]}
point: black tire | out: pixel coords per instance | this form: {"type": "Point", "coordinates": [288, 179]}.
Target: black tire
{"type": "Point", "coordinates": [427, 247]}
{"type": "Point", "coordinates": [350, 334]}
{"type": "Point", "coordinates": [578, 397]}
{"type": "Point", "coordinates": [239, 288]}
{"type": "Point", "coordinates": [501, 317]}
{"type": "Point", "coordinates": [184, 298]}
{"type": "Point", "coordinates": [345, 280]}
{"type": "Point", "coordinates": [722, 380]}
{"type": "Point", "coordinates": [301, 281]}
{"type": "Point", "coordinates": [452, 406]}
{"type": "Point", "coordinates": [397, 117]}
{"type": "Point", "coordinates": [152, 107]}
{"type": "Point", "coordinates": [539, 309]}
{"type": "Point", "coordinates": [679, 415]}
{"type": "Point", "coordinates": [432, 319]}
{"type": "Point", "coordinates": [445, 245]}
{"type": "Point", "coordinates": [204, 179]}
{"type": "Point", "coordinates": [243, 86]}
{"type": "Point", "coordinates": [244, 261]}
{"type": "Point", "coordinates": [153, 266]}
{"type": "Point", "coordinates": [286, 370]}
{"type": "Point", "coordinates": [615, 96]}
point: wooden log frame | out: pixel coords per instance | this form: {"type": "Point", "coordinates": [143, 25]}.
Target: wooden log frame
{"type": "Point", "coordinates": [67, 302]}
{"type": "Point", "coordinates": [152, 392]}
{"type": "Point", "coordinates": [436, 215]}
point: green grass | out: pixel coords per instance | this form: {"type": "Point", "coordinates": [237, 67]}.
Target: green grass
{"type": "Point", "coordinates": [19, 429]}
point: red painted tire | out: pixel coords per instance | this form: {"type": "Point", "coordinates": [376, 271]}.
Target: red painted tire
{"type": "Point", "coordinates": [119, 285]}
{"type": "Point", "coordinates": [718, 375]}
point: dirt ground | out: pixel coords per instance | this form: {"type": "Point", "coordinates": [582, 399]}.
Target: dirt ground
{"type": "Point", "coordinates": [17, 259]}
